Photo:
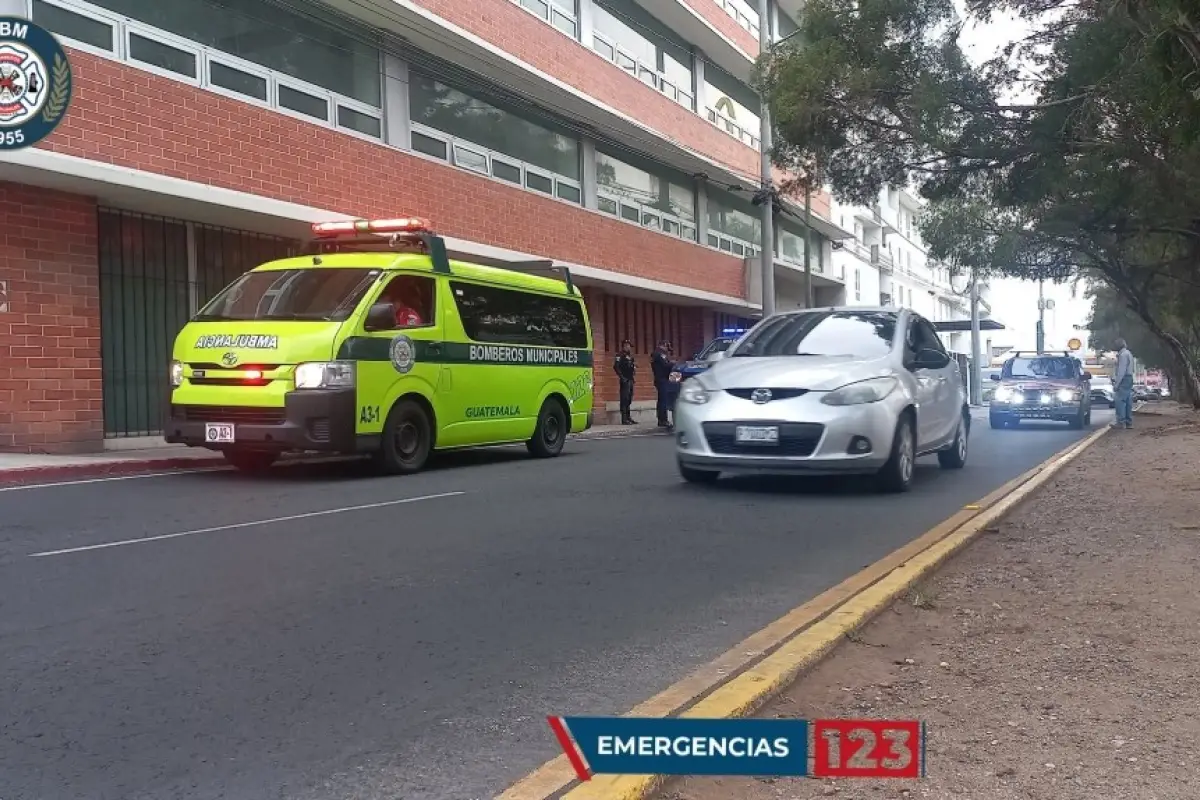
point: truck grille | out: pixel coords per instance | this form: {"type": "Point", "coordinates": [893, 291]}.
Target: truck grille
{"type": "Point", "coordinates": [796, 439]}
{"type": "Point", "coordinates": [247, 415]}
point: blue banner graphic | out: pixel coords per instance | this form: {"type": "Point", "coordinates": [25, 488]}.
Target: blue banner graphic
{"type": "Point", "coordinates": [646, 746]}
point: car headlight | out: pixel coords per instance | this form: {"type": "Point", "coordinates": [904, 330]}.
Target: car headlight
{"type": "Point", "coordinates": [1065, 395]}
{"type": "Point", "coordinates": [1003, 394]}
{"type": "Point", "coordinates": [871, 390]}
{"type": "Point", "coordinates": [325, 375]}
{"type": "Point", "coordinates": [694, 392]}
{"type": "Point", "coordinates": [176, 373]}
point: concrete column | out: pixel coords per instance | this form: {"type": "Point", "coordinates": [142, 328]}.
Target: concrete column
{"type": "Point", "coordinates": [701, 213]}
{"type": "Point", "coordinates": [396, 121]}
{"type": "Point", "coordinates": [587, 152]}
{"type": "Point", "coordinates": [698, 82]}
{"type": "Point", "coordinates": [774, 22]}
{"type": "Point", "coordinates": [587, 22]}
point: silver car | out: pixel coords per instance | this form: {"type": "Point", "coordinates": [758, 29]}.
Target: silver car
{"type": "Point", "coordinates": [826, 391]}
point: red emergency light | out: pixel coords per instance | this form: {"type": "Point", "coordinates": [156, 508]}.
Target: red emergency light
{"type": "Point", "coordinates": [381, 226]}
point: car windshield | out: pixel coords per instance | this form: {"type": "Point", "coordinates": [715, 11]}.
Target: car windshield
{"type": "Point", "coordinates": [291, 294]}
{"type": "Point", "coordinates": [715, 346]}
{"type": "Point", "coordinates": [857, 334]}
{"type": "Point", "coordinates": [1052, 368]}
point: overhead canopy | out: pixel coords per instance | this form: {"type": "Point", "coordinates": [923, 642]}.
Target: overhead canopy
{"type": "Point", "coordinates": [952, 325]}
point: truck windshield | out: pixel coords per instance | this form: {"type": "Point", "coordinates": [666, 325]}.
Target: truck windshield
{"type": "Point", "coordinates": [1059, 368]}
{"type": "Point", "coordinates": [328, 295]}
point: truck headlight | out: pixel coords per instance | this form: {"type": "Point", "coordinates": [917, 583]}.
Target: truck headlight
{"type": "Point", "coordinates": [1003, 394]}
{"type": "Point", "coordinates": [176, 373]}
{"type": "Point", "coordinates": [1065, 395]}
{"type": "Point", "coordinates": [871, 390]}
{"type": "Point", "coordinates": [325, 375]}
{"type": "Point", "coordinates": [694, 392]}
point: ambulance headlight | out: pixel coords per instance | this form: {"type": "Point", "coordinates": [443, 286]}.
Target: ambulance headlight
{"type": "Point", "coordinates": [176, 373]}
{"type": "Point", "coordinates": [325, 375]}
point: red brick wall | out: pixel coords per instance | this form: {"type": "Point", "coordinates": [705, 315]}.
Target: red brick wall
{"type": "Point", "coordinates": [726, 24]}
{"type": "Point", "coordinates": [516, 31]}
{"type": "Point", "coordinates": [124, 116]}
{"type": "Point", "coordinates": [50, 381]}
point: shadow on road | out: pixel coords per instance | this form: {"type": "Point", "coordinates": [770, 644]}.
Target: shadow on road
{"type": "Point", "coordinates": [807, 485]}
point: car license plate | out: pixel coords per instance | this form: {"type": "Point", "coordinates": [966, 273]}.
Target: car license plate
{"type": "Point", "coordinates": [757, 434]}
{"type": "Point", "coordinates": [218, 432]}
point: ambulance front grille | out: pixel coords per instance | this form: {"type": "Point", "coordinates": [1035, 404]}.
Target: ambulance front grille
{"type": "Point", "coordinates": [246, 415]}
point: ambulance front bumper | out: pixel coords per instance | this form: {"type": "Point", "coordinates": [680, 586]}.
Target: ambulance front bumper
{"type": "Point", "coordinates": [318, 420]}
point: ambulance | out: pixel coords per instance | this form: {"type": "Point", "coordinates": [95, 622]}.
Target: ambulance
{"type": "Point", "coordinates": [377, 343]}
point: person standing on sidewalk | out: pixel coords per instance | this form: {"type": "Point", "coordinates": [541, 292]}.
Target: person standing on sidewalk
{"type": "Point", "coordinates": [626, 368]}
{"type": "Point", "coordinates": [1123, 386]}
{"type": "Point", "coordinates": [660, 367]}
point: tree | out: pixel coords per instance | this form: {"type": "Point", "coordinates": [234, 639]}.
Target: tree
{"type": "Point", "coordinates": [1098, 172]}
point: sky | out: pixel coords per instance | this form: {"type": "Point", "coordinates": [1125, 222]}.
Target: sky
{"type": "Point", "coordinates": [1014, 303]}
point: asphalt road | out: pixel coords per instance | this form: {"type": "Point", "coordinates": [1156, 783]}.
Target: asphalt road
{"type": "Point", "coordinates": [367, 647]}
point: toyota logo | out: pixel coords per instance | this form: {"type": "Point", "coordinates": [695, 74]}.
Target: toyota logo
{"type": "Point", "coordinates": [229, 359]}
{"type": "Point", "coordinates": [761, 396]}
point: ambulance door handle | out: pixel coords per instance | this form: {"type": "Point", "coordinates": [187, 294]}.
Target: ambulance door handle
{"type": "Point", "coordinates": [434, 348]}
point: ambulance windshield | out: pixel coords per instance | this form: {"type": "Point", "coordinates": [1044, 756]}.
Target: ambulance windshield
{"type": "Point", "coordinates": [316, 294]}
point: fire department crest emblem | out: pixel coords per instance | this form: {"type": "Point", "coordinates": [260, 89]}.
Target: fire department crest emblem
{"type": "Point", "coordinates": [35, 83]}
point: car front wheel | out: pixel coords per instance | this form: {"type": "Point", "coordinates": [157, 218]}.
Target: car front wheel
{"type": "Point", "coordinates": [897, 474]}
{"type": "Point", "coordinates": [956, 456]}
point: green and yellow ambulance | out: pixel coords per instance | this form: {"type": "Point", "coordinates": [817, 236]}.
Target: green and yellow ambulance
{"type": "Point", "coordinates": [378, 343]}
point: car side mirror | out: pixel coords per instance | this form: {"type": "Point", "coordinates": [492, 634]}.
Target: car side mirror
{"type": "Point", "coordinates": [1087, 376]}
{"type": "Point", "coordinates": [380, 317]}
{"type": "Point", "coordinates": [995, 377]}
{"type": "Point", "coordinates": [929, 358]}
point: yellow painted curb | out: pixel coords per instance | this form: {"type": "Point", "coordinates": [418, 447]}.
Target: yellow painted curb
{"type": "Point", "coordinates": [797, 641]}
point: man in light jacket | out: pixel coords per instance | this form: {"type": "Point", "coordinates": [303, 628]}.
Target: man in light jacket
{"type": "Point", "coordinates": [1123, 386]}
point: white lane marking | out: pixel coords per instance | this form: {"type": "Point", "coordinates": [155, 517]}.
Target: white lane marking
{"type": "Point", "coordinates": [81, 481]}
{"type": "Point", "coordinates": [251, 524]}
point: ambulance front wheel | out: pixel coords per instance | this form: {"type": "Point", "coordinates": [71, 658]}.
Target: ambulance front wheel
{"type": "Point", "coordinates": [551, 432]}
{"type": "Point", "coordinates": [407, 439]}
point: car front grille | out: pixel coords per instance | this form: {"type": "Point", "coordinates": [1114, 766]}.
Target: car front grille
{"type": "Point", "coordinates": [776, 394]}
{"type": "Point", "coordinates": [796, 439]}
{"type": "Point", "coordinates": [246, 415]}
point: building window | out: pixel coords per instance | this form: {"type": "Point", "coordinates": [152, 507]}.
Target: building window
{"type": "Point", "coordinates": [742, 14]}
{"type": "Point", "coordinates": [313, 46]}
{"type": "Point", "coordinates": [733, 227]}
{"type": "Point", "coordinates": [652, 199]}
{"type": "Point", "coordinates": [787, 26]}
{"type": "Point", "coordinates": [562, 14]}
{"type": "Point", "coordinates": [502, 316]}
{"type": "Point", "coordinates": [490, 140]}
{"type": "Point", "coordinates": [857, 284]}
{"type": "Point", "coordinates": [229, 51]}
{"type": "Point", "coordinates": [642, 46]}
{"type": "Point", "coordinates": [732, 105]}
{"type": "Point", "coordinates": [791, 246]}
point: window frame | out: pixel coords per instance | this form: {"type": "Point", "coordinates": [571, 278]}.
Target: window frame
{"type": "Point", "coordinates": [433, 296]}
{"type": "Point", "coordinates": [113, 21]}
{"type": "Point", "coordinates": [131, 29]}
{"type": "Point", "coordinates": [643, 210]}
{"type": "Point", "coordinates": [551, 7]}
{"type": "Point", "coordinates": [677, 94]}
{"type": "Point", "coordinates": [452, 142]}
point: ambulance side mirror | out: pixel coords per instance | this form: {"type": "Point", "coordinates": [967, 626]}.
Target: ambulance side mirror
{"type": "Point", "coordinates": [380, 317]}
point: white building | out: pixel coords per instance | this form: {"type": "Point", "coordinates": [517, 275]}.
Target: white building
{"type": "Point", "coordinates": [886, 264]}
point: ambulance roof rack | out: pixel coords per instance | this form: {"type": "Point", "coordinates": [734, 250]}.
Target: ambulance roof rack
{"type": "Point", "coordinates": [1017, 353]}
{"type": "Point", "coordinates": [401, 233]}
{"type": "Point", "coordinates": [543, 265]}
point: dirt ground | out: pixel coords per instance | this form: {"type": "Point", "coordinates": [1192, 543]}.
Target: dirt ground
{"type": "Point", "coordinates": [1057, 658]}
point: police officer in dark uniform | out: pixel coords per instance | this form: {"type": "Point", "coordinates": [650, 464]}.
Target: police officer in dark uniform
{"type": "Point", "coordinates": [626, 367]}
{"type": "Point", "coordinates": [661, 366]}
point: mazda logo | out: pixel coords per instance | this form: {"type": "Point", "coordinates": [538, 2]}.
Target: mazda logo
{"type": "Point", "coordinates": [229, 359]}
{"type": "Point", "coordinates": [761, 396]}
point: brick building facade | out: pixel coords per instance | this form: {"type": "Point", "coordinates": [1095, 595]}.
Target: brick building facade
{"type": "Point", "coordinates": [181, 163]}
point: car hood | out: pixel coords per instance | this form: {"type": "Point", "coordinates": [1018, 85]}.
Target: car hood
{"type": "Point", "coordinates": [1038, 384]}
{"type": "Point", "coordinates": [816, 373]}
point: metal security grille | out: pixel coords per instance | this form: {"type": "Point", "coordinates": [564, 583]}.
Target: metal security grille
{"type": "Point", "coordinates": [154, 274]}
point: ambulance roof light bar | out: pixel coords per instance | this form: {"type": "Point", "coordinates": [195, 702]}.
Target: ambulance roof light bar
{"type": "Point", "coordinates": [399, 229]}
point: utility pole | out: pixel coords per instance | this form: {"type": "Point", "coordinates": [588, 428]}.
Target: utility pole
{"type": "Point", "coordinates": [975, 390]}
{"type": "Point", "coordinates": [1041, 323]}
{"type": "Point", "coordinates": [767, 242]}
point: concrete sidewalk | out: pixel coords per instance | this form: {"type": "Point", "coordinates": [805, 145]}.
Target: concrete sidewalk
{"type": "Point", "coordinates": [1055, 659]}
{"type": "Point", "coordinates": [30, 468]}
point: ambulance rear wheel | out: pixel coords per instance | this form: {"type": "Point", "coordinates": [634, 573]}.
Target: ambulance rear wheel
{"type": "Point", "coordinates": [551, 432]}
{"type": "Point", "coordinates": [407, 439]}
{"type": "Point", "coordinates": [251, 460]}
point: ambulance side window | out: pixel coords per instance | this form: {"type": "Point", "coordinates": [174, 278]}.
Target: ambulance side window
{"type": "Point", "coordinates": [414, 299]}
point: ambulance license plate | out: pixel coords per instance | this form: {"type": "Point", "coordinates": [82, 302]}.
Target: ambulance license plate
{"type": "Point", "coordinates": [218, 432]}
{"type": "Point", "coordinates": [757, 434]}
